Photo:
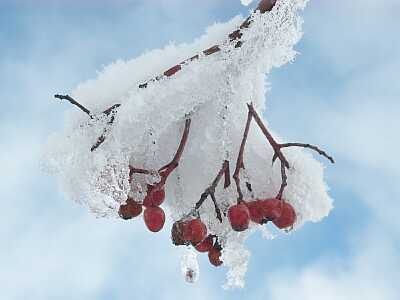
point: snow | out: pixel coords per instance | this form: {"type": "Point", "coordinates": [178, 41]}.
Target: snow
{"type": "Point", "coordinates": [148, 126]}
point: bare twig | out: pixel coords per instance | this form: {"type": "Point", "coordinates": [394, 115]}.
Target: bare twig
{"type": "Point", "coordinates": [74, 102]}
{"type": "Point", "coordinates": [239, 162]}
{"type": "Point", "coordinates": [309, 146]}
{"type": "Point", "coordinates": [210, 191]}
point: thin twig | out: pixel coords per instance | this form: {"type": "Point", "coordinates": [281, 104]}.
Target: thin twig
{"type": "Point", "coordinates": [210, 191]}
{"type": "Point", "coordinates": [102, 138]}
{"type": "Point", "coordinates": [239, 162]}
{"type": "Point", "coordinates": [309, 146]}
{"type": "Point", "coordinates": [74, 102]}
{"type": "Point", "coordinates": [277, 149]}
{"type": "Point", "coordinates": [166, 170]}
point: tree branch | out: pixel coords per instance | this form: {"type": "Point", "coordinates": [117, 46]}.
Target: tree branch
{"type": "Point", "coordinates": [74, 102]}
{"type": "Point", "coordinates": [263, 7]}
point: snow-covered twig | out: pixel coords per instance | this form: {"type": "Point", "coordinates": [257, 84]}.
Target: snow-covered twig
{"type": "Point", "coordinates": [263, 7]}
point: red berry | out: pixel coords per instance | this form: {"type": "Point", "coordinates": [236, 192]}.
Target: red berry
{"type": "Point", "coordinates": [205, 245]}
{"type": "Point", "coordinates": [214, 256]}
{"type": "Point", "coordinates": [195, 231]}
{"type": "Point", "coordinates": [154, 218]}
{"type": "Point", "coordinates": [155, 196]}
{"type": "Point", "coordinates": [239, 217]}
{"type": "Point", "coordinates": [288, 216]}
{"type": "Point", "coordinates": [256, 211]}
{"type": "Point", "coordinates": [272, 208]}
{"type": "Point", "coordinates": [130, 210]}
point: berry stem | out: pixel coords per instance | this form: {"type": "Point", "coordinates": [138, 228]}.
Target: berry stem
{"type": "Point", "coordinates": [239, 162]}
{"type": "Point", "coordinates": [210, 191]}
{"type": "Point", "coordinates": [166, 170]}
{"type": "Point", "coordinates": [277, 149]}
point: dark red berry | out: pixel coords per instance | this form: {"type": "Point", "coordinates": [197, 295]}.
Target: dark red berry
{"type": "Point", "coordinates": [195, 231]}
{"type": "Point", "coordinates": [154, 218]}
{"type": "Point", "coordinates": [155, 196]}
{"type": "Point", "coordinates": [272, 208]}
{"type": "Point", "coordinates": [214, 256]}
{"type": "Point", "coordinates": [177, 232]}
{"type": "Point", "coordinates": [205, 245]}
{"type": "Point", "coordinates": [256, 211]}
{"type": "Point", "coordinates": [287, 218]}
{"type": "Point", "coordinates": [239, 217]}
{"type": "Point", "coordinates": [130, 210]}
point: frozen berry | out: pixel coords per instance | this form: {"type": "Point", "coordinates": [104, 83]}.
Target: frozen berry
{"type": "Point", "coordinates": [287, 218]}
{"type": "Point", "coordinates": [177, 233]}
{"type": "Point", "coordinates": [195, 231]}
{"type": "Point", "coordinates": [256, 211]}
{"type": "Point", "coordinates": [154, 218]}
{"type": "Point", "coordinates": [205, 245]}
{"type": "Point", "coordinates": [155, 196]}
{"type": "Point", "coordinates": [214, 256]}
{"type": "Point", "coordinates": [272, 208]}
{"type": "Point", "coordinates": [239, 217]}
{"type": "Point", "coordinates": [130, 210]}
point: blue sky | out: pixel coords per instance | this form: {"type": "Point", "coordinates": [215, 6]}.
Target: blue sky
{"type": "Point", "coordinates": [342, 93]}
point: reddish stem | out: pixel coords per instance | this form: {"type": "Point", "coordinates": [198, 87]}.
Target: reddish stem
{"type": "Point", "coordinates": [166, 170]}
{"type": "Point", "coordinates": [239, 162]}
{"type": "Point", "coordinates": [210, 191]}
{"type": "Point", "coordinates": [277, 149]}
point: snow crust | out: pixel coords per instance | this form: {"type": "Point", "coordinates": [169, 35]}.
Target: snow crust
{"type": "Point", "coordinates": [214, 90]}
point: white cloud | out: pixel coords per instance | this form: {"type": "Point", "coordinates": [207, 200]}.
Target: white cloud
{"type": "Point", "coordinates": [371, 274]}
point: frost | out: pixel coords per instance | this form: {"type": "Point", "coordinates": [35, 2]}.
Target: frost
{"type": "Point", "coordinates": [190, 265]}
{"type": "Point", "coordinates": [148, 125]}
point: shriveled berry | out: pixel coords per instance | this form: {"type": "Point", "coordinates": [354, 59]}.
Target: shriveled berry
{"type": "Point", "coordinates": [177, 232]}
{"type": "Point", "coordinates": [214, 256]}
{"type": "Point", "coordinates": [155, 196]}
{"type": "Point", "coordinates": [130, 210]}
{"type": "Point", "coordinates": [239, 217]}
{"type": "Point", "coordinates": [256, 211]}
{"type": "Point", "coordinates": [287, 218]}
{"type": "Point", "coordinates": [272, 208]}
{"type": "Point", "coordinates": [205, 245]}
{"type": "Point", "coordinates": [154, 218]}
{"type": "Point", "coordinates": [195, 232]}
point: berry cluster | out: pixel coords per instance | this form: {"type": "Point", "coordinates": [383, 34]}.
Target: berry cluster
{"type": "Point", "coordinates": [280, 212]}
{"type": "Point", "coordinates": [190, 230]}
{"type": "Point", "coordinates": [154, 216]}
{"type": "Point", "coordinates": [194, 232]}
